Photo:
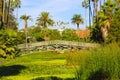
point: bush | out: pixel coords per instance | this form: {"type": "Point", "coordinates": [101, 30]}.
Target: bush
{"type": "Point", "coordinates": [70, 35]}
{"type": "Point", "coordinates": [8, 43]}
{"type": "Point", "coordinates": [102, 64]}
{"type": "Point", "coordinates": [75, 57]}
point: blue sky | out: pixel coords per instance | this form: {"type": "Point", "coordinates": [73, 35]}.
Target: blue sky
{"type": "Point", "coordinates": [62, 10]}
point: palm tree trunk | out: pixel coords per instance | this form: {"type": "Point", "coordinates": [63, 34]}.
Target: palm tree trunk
{"type": "Point", "coordinates": [26, 34]}
{"type": "Point", "coordinates": [96, 10]}
{"type": "Point", "coordinates": [3, 13]}
{"type": "Point", "coordinates": [1, 16]}
{"type": "Point", "coordinates": [8, 13]}
{"type": "Point", "coordinates": [100, 4]}
{"type": "Point", "coordinates": [89, 13]}
{"type": "Point", "coordinates": [17, 14]}
{"type": "Point", "coordinates": [77, 26]}
{"type": "Point", "coordinates": [85, 18]}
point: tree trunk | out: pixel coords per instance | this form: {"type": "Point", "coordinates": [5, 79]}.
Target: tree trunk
{"type": "Point", "coordinates": [17, 13]}
{"type": "Point", "coordinates": [77, 26]}
{"type": "Point", "coordinates": [26, 34]}
{"type": "Point", "coordinates": [96, 10]}
{"type": "Point", "coordinates": [8, 13]}
{"type": "Point", "coordinates": [100, 4]}
{"type": "Point", "coordinates": [85, 18]}
{"type": "Point", "coordinates": [89, 13]}
{"type": "Point", "coordinates": [3, 13]}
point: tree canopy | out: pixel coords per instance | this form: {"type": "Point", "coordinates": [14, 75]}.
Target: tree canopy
{"type": "Point", "coordinates": [44, 20]}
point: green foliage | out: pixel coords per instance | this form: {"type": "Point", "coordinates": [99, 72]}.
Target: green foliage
{"type": "Point", "coordinates": [85, 4]}
{"type": "Point", "coordinates": [96, 34]}
{"type": "Point", "coordinates": [77, 19]}
{"type": "Point", "coordinates": [99, 30]}
{"type": "Point", "coordinates": [114, 31]}
{"type": "Point", "coordinates": [21, 37]}
{"type": "Point", "coordinates": [25, 17]}
{"type": "Point", "coordinates": [44, 20]}
{"type": "Point", "coordinates": [45, 32]}
{"type": "Point", "coordinates": [8, 43]}
{"type": "Point", "coordinates": [55, 35]}
{"type": "Point", "coordinates": [74, 57]}
{"type": "Point", "coordinates": [34, 32]}
{"type": "Point", "coordinates": [69, 35]}
{"type": "Point", "coordinates": [101, 64]}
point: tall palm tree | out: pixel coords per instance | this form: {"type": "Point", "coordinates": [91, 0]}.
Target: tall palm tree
{"type": "Point", "coordinates": [12, 4]}
{"type": "Point", "coordinates": [90, 12]}
{"type": "Point", "coordinates": [85, 4]}
{"type": "Point", "coordinates": [8, 12]}
{"type": "Point", "coordinates": [16, 4]}
{"type": "Point", "coordinates": [25, 18]}
{"type": "Point", "coordinates": [96, 9]}
{"type": "Point", "coordinates": [77, 19]}
{"type": "Point", "coordinates": [44, 20]}
{"type": "Point", "coordinates": [100, 4]}
{"type": "Point", "coordinates": [3, 12]}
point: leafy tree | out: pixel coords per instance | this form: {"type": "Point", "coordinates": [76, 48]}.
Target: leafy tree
{"type": "Point", "coordinates": [69, 35]}
{"type": "Point", "coordinates": [61, 24]}
{"type": "Point", "coordinates": [55, 35]}
{"type": "Point", "coordinates": [34, 32]}
{"type": "Point", "coordinates": [77, 19]}
{"type": "Point", "coordinates": [21, 37]}
{"type": "Point", "coordinates": [45, 33]}
{"type": "Point", "coordinates": [25, 18]}
{"type": "Point", "coordinates": [44, 20]}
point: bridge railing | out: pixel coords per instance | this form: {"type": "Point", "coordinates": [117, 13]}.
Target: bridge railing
{"type": "Point", "coordinates": [58, 42]}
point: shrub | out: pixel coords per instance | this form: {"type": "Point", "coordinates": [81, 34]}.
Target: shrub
{"type": "Point", "coordinates": [102, 64]}
{"type": "Point", "coordinates": [75, 57]}
{"type": "Point", "coordinates": [8, 43]}
{"type": "Point", "coordinates": [70, 35]}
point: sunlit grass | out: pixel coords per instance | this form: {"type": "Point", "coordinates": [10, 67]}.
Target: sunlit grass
{"type": "Point", "coordinates": [39, 65]}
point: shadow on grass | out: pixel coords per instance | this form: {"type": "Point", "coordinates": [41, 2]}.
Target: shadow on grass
{"type": "Point", "coordinates": [11, 70]}
{"type": "Point", "coordinates": [99, 75]}
{"type": "Point", "coordinates": [52, 78]}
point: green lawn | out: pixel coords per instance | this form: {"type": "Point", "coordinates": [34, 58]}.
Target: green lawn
{"type": "Point", "coordinates": [36, 66]}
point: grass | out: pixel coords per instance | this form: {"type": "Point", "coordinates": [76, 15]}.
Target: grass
{"type": "Point", "coordinates": [36, 66]}
{"type": "Point", "coordinates": [102, 63]}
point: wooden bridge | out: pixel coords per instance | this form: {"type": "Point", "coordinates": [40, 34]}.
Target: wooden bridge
{"type": "Point", "coordinates": [56, 45]}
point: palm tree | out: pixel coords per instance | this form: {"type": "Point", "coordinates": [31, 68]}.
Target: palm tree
{"type": "Point", "coordinates": [85, 4]}
{"type": "Point", "coordinates": [100, 4]}
{"type": "Point", "coordinates": [104, 24]}
{"type": "Point", "coordinates": [96, 9]}
{"type": "Point", "coordinates": [15, 5]}
{"type": "Point", "coordinates": [12, 4]}
{"type": "Point", "coordinates": [8, 12]}
{"type": "Point", "coordinates": [90, 12]}
{"type": "Point", "coordinates": [3, 12]}
{"type": "Point", "coordinates": [25, 18]}
{"type": "Point", "coordinates": [77, 19]}
{"type": "Point", "coordinates": [44, 20]}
